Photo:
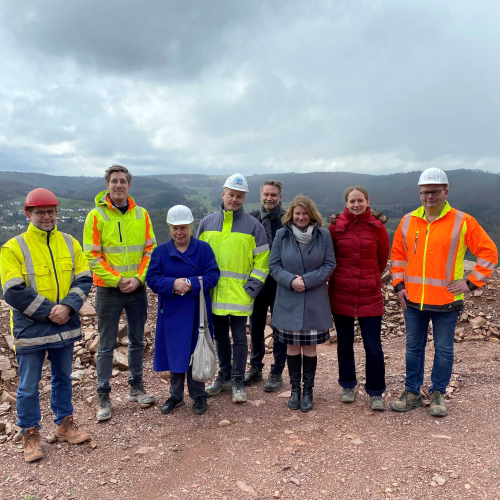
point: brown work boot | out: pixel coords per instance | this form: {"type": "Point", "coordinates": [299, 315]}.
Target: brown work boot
{"type": "Point", "coordinates": [407, 401]}
{"type": "Point", "coordinates": [31, 444]}
{"type": "Point", "coordinates": [438, 406]}
{"type": "Point", "coordinates": [68, 431]}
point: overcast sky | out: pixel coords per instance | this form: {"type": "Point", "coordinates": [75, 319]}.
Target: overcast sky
{"type": "Point", "coordinates": [217, 86]}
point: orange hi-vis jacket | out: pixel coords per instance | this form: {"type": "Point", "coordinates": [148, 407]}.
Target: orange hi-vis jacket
{"type": "Point", "coordinates": [427, 257]}
{"type": "Point", "coordinates": [117, 245]}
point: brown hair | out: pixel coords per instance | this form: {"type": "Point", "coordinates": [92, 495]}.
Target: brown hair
{"type": "Point", "coordinates": [272, 182]}
{"type": "Point", "coordinates": [117, 168]}
{"type": "Point", "coordinates": [349, 190]}
{"type": "Point", "coordinates": [308, 204]}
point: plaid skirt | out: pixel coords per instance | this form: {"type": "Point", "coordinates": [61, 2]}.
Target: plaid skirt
{"type": "Point", "coordinates": [302, 337]}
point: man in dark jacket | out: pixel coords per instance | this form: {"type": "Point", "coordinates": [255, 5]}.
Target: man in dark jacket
{"type": "Point", "coordinates": [269, 216]}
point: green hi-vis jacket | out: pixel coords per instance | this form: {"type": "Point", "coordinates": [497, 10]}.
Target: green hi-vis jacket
{"type": "Point", "coordinates": [117, 245]}
{"type": "Point", "coordinates": [240, 246]}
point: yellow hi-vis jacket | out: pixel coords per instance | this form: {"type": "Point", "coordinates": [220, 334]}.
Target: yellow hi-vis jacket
{"type": "Point", "coordinates": [427, 257]}
{"type": "Point", "coordinates": [240, 246]}
{"type": "Point", "coordinates": [40, 269]}
{"type": "Point", "coordinates": [117, 245]}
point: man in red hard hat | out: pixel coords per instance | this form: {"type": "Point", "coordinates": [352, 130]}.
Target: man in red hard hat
{"type": "Point", "coordinates": [46, 279]}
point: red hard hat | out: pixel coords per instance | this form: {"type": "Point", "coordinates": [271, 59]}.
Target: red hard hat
{"type": "Point", "coordinates": [40, 197]}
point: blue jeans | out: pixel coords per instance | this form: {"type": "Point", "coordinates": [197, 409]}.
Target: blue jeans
{"type": "Point", "coordinates": [417, 325]}
{"type": "Point", "coordinates": [110, 302]}
{"type": "Point", "coordinates": [223, 344]}
{"type": "Point", "coordinates": [371, 327]}
{"type": "Point", "coordinates": [30, 371]}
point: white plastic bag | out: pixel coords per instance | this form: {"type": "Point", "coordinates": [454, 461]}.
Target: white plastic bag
{"type": "Point", "coordinates": [203, 362]}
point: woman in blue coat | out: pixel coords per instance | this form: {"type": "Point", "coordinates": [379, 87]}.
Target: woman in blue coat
{"type": "Point", "coordinates": [173, 275]}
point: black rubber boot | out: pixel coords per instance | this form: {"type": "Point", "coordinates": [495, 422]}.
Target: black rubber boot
{"type": "Point", "coordinates": [294, 369]}
{"type": "Point", "coordinates": [308, 374]}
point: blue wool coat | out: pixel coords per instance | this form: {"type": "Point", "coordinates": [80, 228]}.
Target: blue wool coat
{"type": "Point", "coordinates": [178, 316]}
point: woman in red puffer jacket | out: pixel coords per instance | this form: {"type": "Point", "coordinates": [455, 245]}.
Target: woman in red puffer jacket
{"type": "Point", "coordinates": [361, 247]}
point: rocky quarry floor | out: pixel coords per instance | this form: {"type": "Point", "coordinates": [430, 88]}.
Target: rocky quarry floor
{"type": "Point", "coordinates": [262, 449]}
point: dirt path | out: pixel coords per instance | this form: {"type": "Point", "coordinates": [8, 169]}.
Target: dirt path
{"type": "Point", "coordinates": [267, 451]}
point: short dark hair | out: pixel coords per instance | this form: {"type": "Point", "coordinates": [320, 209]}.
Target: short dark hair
{"type": "Point", "coordinates": [272, 182]}
{"type": "Point", "coordinates": [117, 168]}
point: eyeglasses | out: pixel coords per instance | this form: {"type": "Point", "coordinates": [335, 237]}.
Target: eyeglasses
{"type": "Point", "coordinates": [435, 193]}
{"type": "Point", "coordinates": [41, 213]}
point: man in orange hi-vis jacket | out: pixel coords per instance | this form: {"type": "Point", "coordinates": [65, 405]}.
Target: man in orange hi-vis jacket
{"type": "Point", "coordinates": [427, 274]}
{"type": "Point", "coordinates": [118, 240]}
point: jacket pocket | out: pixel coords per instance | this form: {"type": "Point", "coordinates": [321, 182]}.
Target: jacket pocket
{"type": "Point", "coordinates": [42, 277]}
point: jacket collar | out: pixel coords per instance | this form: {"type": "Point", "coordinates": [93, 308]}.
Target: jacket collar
{"type": "Point", "coordinates": [39, 234]}
{"type": "Point", "coordinates": [228, 214]}
{"type": "Point", "coordinates": [420, 212]}
{"type": "Point", "coordinates": [103, 200]}
{"type": "Point", "coordinates": [347, 217]}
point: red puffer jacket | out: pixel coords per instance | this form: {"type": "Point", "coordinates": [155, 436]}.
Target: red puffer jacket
{"type": "Point", "coordinates": [361, 248]}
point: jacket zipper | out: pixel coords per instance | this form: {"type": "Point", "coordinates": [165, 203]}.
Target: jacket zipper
{"type": "Point", "coordinates": [120, 232]}
{"type": "Point", "coordinates": [416, 241]}
{"type": "Point", "coordinates": [423, 270]}
{"type": "Point", "coordinates": [53, 265]}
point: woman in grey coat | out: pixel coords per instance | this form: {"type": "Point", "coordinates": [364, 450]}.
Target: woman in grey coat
{"type": "Point", "coordinates": [302, 259]}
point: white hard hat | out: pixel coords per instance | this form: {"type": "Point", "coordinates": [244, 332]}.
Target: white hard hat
{"type": "Point", "coordinates": [236, 182]}
{"type": "Point", "coordinates": [178, 215]}
{"type": "Point", "coordinates": [433, 176]}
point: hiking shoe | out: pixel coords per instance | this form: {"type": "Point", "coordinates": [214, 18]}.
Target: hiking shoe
{"type": "Point", "coordinates": [377, 403]}
{"type": "Point", "coordinates": [138, 394]}
{"type": "Point", "coordinates": [239, 394]}
{"type": "Point", "coordinates": [438, 406]}
{"type": "Point", "coordinates": [200, 405]}
{"type": "Point", "coordinates": [347, 395]}
{"type": "Point", "coordinates": [31, 444]}
{"type": "Point", "coordinates": [68, 431]}
{"type": "Point", "coordinates": [274, 382]}
{"type": "Point", "coordinates": [105, 406]}
{"type": "Point", "coordinates": [221, 384]}
{"type": "Point", "coordinates": [254, 374]}
{"type": "Point", "coordinates": [407, 401]}
{"type": "Point", "coordinates": [170, 405]}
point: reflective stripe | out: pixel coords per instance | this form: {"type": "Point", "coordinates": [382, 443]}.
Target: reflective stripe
{"type": "Point", "coordinates": [234, 307]}
{"type": "Point", "coordinates": [428, 281]}
{"type": "Point", "coordinates": [477, 275]}
{"type": "Point", "coordinates": [486, 263]}
{"type": "Point", "coordinates": [398, 263]}
{"type": "Point", "coordinates": [95, 262]}
{"type": "Point", "coordinates": [13, 282]}
{"type": "Point", "coordinates": [49, 339]}
{"type": "Point", "coordinates": [455, 240]}
{"type": "Point", "coordinates": [404, 230]}
{"type": "Point", "coordinates": [150, 241]}
{"type": "Point", "coordinates": [259, 273]}
{"type": "Point", "coordinates": [92, 248]}
{"type": "Point", "coordinates": [138, 212]}
{"type": "Point", "coordinates": [136, 248]}
{"type": "Point", "coordinates": [84, 274]}
{"type": "Point", "coordinates": [69, 243]}
{"type": "Point", "coordinates": [78, 291]}
{"type": "Point", "coordinates": [398, 276]}
{"type": "Point", "coordinates": [32, 308]}
{"type": "Point", "coordinates": [101, 211]}
{"type": "Point", "coordinates": [28, 262]}
{"type": "Point", "coordinates": [124, 269]}
{"type": "Point", "coordinates": [262, 248]}
{"type": "Point", "coordinates": [118, 249]}
{"type": "Point", "coordinates": [230, 274]}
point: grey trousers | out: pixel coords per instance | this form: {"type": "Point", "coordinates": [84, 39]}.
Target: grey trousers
{"type": "Point", "coordinates": [196, 389]}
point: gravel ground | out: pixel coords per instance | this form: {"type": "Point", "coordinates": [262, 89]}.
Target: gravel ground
{"type": "Point", "coordinates": [267, 451]}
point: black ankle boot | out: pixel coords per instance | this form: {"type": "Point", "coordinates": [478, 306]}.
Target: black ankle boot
{"type": "Point", "coordinates": [294, 369]}
{"type": "Point", "coordinates": [308, 379]}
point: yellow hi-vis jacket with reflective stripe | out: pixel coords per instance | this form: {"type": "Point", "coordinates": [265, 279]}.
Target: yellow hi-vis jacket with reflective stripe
{"type": "Point", "coordinates": [240, 246]}
{"type": "Point", "coordinates": [427, 257]}
{"type": "Point", "coordinates": [40, 269]}
{"type": "Point", "coordinates": [117, 245]}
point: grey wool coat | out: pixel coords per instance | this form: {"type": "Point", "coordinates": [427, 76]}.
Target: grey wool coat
{"type": "Point", "coordinates": [308, 310]}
